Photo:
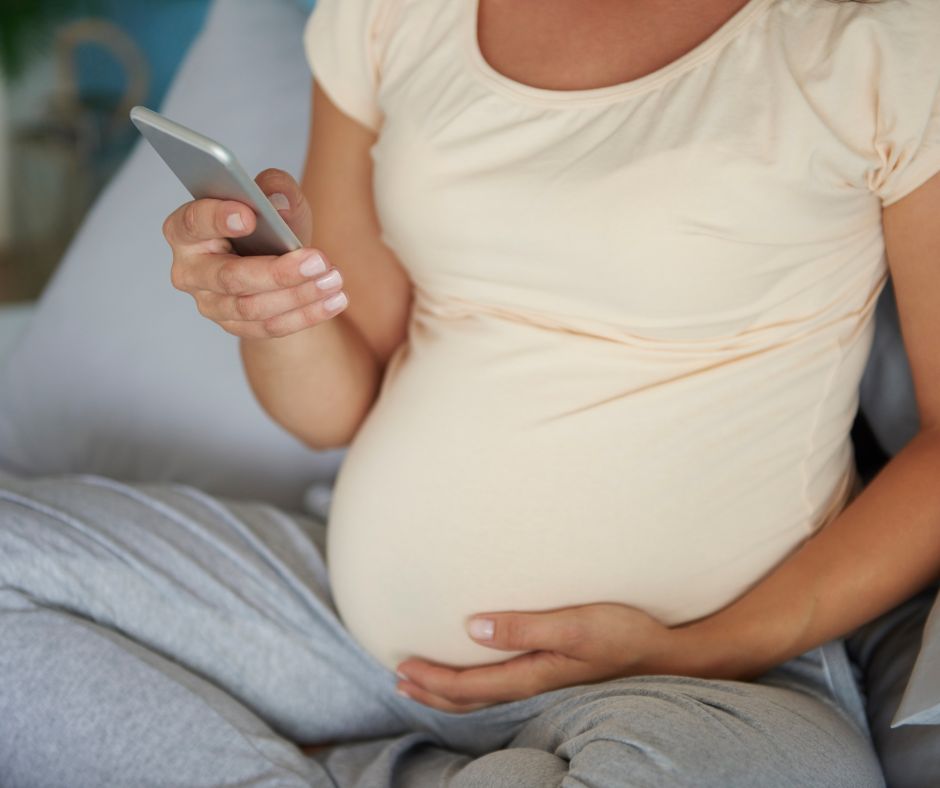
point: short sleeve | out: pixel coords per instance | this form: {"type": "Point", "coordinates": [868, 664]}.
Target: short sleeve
{"type": "Point", "coordinates": [907, 103]}
{"type": "Point", "coordinates": [340, 41]}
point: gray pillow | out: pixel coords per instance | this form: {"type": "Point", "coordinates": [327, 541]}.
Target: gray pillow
{"type": "Point", "coordinates": [886, 392]}
{"type": "Point", "coordinates": [886, 649]}
{"type": "Point", "coordinates": [920, 704]}
{"type": "Point", "coordinates": [117, 373]}
{"type": "Point", "coordinates": [888, 402]}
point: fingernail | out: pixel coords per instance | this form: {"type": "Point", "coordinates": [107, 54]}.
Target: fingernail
{"type": "Point", "coordinates": [481, 628]}
{"type": "Point", "coordinates": [401, 692]}
{"type": "Point", "coordinates": [336, 302]}
{"type": "Point", "coordinates": [234, 222]}
{"type": "Point", "coordinates": [332, 279]}
{"type": "Point", "coordinates": [313, 265]}
{"type": "Point", "coordinates": [401, 675]}
{"type": "Point", "coordinates": [279, 201]}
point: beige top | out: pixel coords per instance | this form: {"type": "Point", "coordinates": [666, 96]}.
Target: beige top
{"type": "Point", "coordinates": [642, 311]}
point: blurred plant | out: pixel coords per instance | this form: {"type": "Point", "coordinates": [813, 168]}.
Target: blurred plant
{"type": "Point", "coordinates": [26, 25]}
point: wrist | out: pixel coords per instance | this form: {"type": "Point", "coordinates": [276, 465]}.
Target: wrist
{"type": "Point", "coordinates": [720, 647]}
{"type": "Point", "coordinates": [699, 651]}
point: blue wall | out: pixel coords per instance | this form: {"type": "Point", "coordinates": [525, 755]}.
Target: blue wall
{"type": "Point", "coordinates": [163, 29]}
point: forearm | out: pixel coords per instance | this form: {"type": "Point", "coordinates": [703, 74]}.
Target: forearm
{"type": "Point", "coordinates": [319, 383]}
{"type": "Point", "coordinates": [881, 549]}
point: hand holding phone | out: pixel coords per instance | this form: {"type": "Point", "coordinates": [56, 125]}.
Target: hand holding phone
{"type": "Point", "coordinates": [275, 287]}
{"type": "Point", "coordinates": [209, 169]}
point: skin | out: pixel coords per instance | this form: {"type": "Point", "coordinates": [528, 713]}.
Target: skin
{"type": "Point", "coordinates": [582, 44]}
{"type": "Point", "coordinates": [265, 296]}
{"type": "Point", "coordinates": [848, 574]}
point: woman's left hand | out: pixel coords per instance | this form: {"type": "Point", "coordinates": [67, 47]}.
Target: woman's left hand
{"type": "Point", "coordinates": [566, 647]}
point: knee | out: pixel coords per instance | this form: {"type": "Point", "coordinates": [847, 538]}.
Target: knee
{"type": "Point", "coordinates": [684, 732]}
{"type": "Point", "coordinates": [512, 768]}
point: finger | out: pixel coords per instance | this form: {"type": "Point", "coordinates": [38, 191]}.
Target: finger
{"type": "Point", "coordinates": [306, 316]}
{"type": "Point", "coordinates": [287, 323]}
{"type": "Point", "coordinates": [232, 274]}
{"type": "Point", "coordinates": [201, 220]}
{"type": "Point", "coordinates": [514, 679]}
{"type": "Point", "coordinates": [563, 630]}
{"type": "Point", "coordinates": [289, 200]}
{"type": "Point", "coordinates": [416, 693]}
{"type": "Point", "coordinates": [261, 306]}
{"type": "Point", "coordinates": [244, 328]}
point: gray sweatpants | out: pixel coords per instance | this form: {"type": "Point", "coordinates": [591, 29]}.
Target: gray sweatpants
{"type": "Point", "coordinates": [153, 635]}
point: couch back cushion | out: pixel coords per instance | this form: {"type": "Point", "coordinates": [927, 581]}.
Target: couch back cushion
{"type": "Point", "coordinates": [117, 372]}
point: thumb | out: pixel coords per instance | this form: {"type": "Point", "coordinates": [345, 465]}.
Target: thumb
{"type": "Point", "coordinates": [542, 631]}
{"type": "Point", "coordinates": [291, 203]}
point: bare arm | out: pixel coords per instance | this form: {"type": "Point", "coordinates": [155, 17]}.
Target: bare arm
{"type": "Point", "coordinates": [321, 381]}
{"type": "Point", "coordinates": [884, 546]}
{"type": "Point", "coordinates": [315, 368]}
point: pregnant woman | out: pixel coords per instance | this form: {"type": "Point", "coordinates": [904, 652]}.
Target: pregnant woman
{"type": "Point", "coordinates": [587, 289]}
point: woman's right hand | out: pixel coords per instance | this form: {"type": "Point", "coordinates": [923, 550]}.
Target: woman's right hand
{"type": "Point", "coordinates": [262, 296]}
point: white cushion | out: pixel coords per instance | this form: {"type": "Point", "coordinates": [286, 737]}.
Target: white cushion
{"type": "Point", "coordinates": [14, 318]}
{"type": "Point", "coordinates": [118, 373]}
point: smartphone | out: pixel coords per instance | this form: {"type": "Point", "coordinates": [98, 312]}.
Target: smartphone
{"type": "Point", "coordinates": [209, 169]}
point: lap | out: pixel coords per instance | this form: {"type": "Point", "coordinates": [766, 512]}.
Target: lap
{"type": "Point", "coordinates": [236, 595]}
{"type": "Point", "coordinates": [87, 707]}
{"type": "Point", "coordinates": [801, 723]}
{"type": "Point", "coordinates": [682, 731]}
{"type": "Point", "coordinates": [236, 592]}
{"type": "Point", "coordinates": [704, 733]}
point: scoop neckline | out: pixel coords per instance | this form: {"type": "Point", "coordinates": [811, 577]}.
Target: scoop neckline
{"type": "Point", "coordinates": [531, 93]}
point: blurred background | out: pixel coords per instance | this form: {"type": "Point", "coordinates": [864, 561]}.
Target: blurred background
{"type": "Point", "coordinates": [70, 70]}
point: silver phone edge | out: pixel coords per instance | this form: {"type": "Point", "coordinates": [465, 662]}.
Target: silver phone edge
{"type": "Point", "coordinates": [258, 200]}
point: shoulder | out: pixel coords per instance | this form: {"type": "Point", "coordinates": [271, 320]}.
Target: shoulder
{"type": "Point", "coordinates": [343, 41]}
{"type": "Point", "coordinates": [869, 73]}
{"type": "Point", "coordinates": [351, 18]}
{"type": "Point", "coordinates": [367, 26]}
{"type": "Point", "coordinates": [878, 51]}
{"type": "Point", "coordinates": [834, 27]}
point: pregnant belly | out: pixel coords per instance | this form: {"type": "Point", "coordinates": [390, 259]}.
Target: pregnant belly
{"type": "Point", "coordinates": [478, 484]}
